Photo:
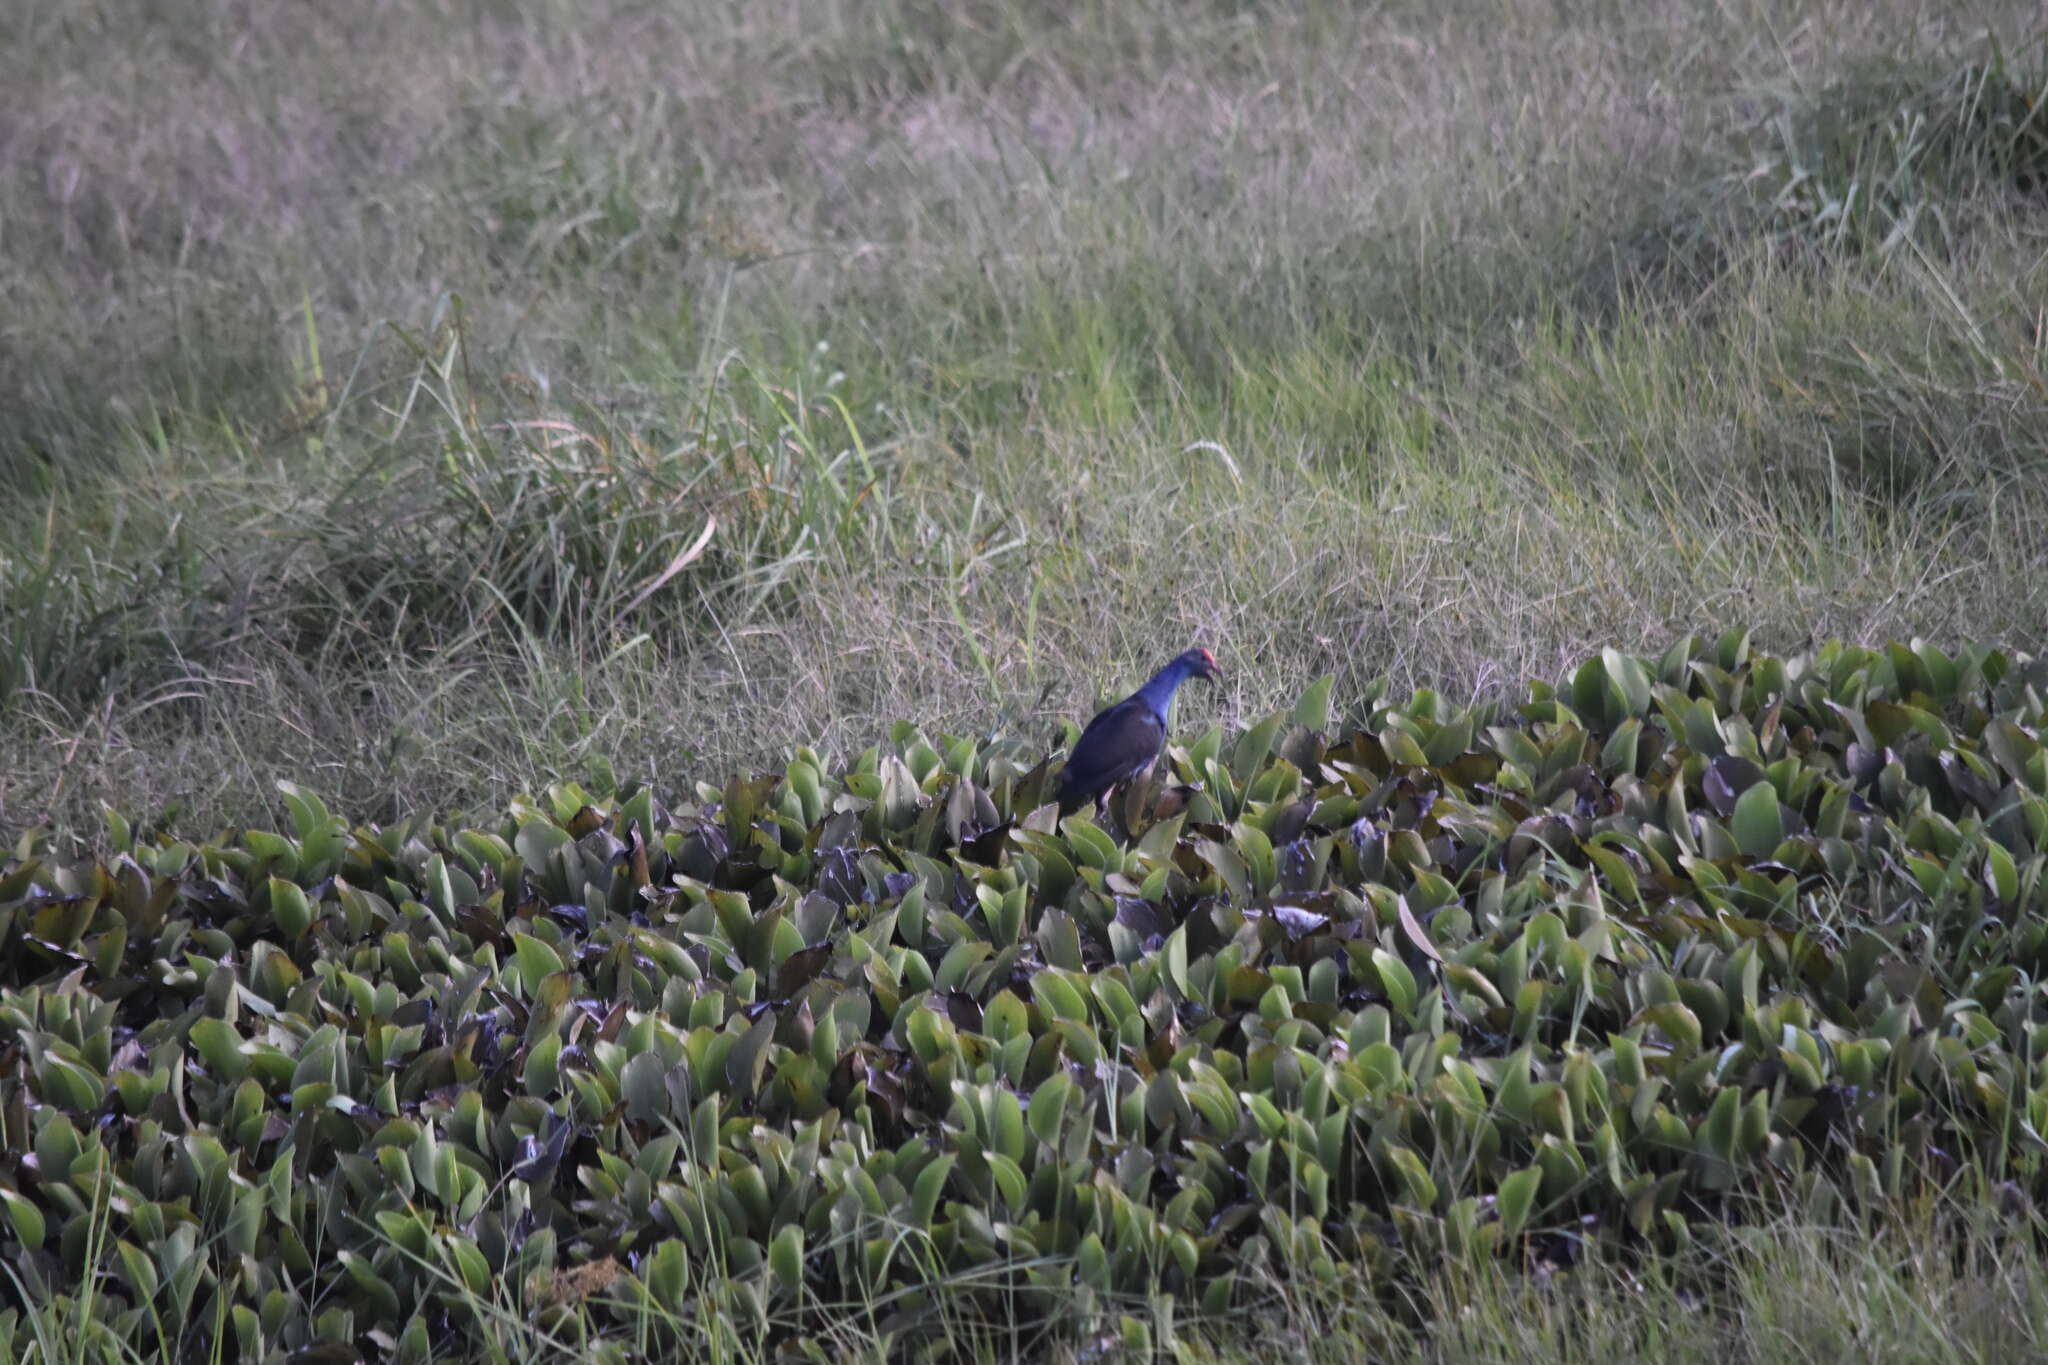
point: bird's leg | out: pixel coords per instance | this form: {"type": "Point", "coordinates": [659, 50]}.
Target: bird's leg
{"type": "Point", "coordinates": [1106, 807]}
{"type": "Point", "coordinates": [1138, 797]}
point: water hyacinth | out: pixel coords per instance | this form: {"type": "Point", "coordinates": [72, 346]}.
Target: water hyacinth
{"type": "Point", "coordinates": [1554, 978]}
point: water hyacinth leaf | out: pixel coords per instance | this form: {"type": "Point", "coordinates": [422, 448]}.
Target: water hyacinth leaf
{"type": "Point", "coordinates": [1176, 961]}
{"type": "Point", "coordinates": [1091, 846]}
{"type": "Point", "coordinates": [1060, 996]}
{"type": "Point", "coordinates": [1229, 867]}
{"type": "Point", "coordinates": [786, 1257]}
{"type": "Point", "coordinates": [138, 1270]}
{"type": "Point", "coordinates": [1679, 1025]}
{"type": "Point", "coordinates": [910, 917]}
{"type": "Point", "coordinates": [1450, 741]}
{"type": "Point", "coordinates": [1718, 1131]}
{"type": "Point", "coordinates": [667, 1276]}
{"type": "Point", "coordinates": [2001, 874]}
{"type": "Point", "coordinates": [1629, 679]}
{"type": "Point", "coordinates": [1047, 1111]}
{"type": "Point", "coordinates": [1256, 853]}
{"type": "Point", "coordinates": [1312, 712]}
{"type": "Point", "coordinates": [1757, 822]}
{"type": "Point", "coordinates": [1253, 747]}
{"type": "Point", "coordinates": [1618, 755]}
{"type": "Point", "coordinates": [540, 1076]}
{"type": "Point", "coordinates": [24, 1217]}
{"type": "Point", "coordinates": [541, 1155]}
{"type": "Point", "coordinates": [1416, 934]}
{"type": "Point", "coordinates": [537, 961]}
{"type": "Point", "coordinates": [643, 1086]}
{"type": "Point", "coordinates": [748, 1060]}
{"type": "Point", "coordinates": [70, 1086]}
{"type": "Point", "coordinates": [1413, 1175]}
{"type": "Point", "coordinates": [1518, 1198]}
{"type": "Point", "coordinates": [1396, 981]}
{"type": "Point", "coordinates": [931, 1183]}
{"type": "Point", "coordinates": [899, 795]}
{"type": "Point", "coordinates": [288, 904]}
{"type": "Point", "coordinates": [537, 840]}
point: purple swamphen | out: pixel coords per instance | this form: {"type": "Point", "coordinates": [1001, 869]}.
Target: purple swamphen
{"type": "Point", "coordinates": [1124, 739]}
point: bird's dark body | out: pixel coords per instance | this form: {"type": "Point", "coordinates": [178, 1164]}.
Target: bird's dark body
{"type": "Point", "coordinates": [1123, 740]}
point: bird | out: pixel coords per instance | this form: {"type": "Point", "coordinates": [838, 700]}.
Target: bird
{"type": "Point", "coordinates": [1124, 739]}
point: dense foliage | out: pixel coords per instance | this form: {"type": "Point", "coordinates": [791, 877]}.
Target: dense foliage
{"type": "Point", "coordinates": [1507, 980]}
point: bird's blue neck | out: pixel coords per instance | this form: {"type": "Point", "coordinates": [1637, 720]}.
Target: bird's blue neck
{"type": "Point", "coordinates": [1158, 693]}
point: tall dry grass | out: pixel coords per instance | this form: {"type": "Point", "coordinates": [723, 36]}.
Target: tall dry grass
{"type": "Point", "coordinates": [363, 362]}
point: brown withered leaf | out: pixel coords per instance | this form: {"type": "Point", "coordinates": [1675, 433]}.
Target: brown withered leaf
{"type": "Point", "coordinates": [961, 1008]}
{"type": "Point", "coordinates": [539, 1156]}
{"type": "Point", "coordinates": [800, 968]}
{"type": "Point", "coordinates": [580, 1283]}
{"type": "Point", "coordinates": [1416, 934]}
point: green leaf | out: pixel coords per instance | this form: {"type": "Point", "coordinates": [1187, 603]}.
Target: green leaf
{"type": "Point", "coordinates": [291, 909]}
{"type": "Point", "coordinates": [1618, 755]}
{"type": "Point", "coordinates": [1413, 1175]}
{"type": "Point", "coordinates": [1596, 700]}
{"type": "Point", "coordinates": [1397, 981]}
{"type": "Point", "coordinates": [1671, 667]}
{"type": "Point", "coordinates": [643, 1084]}
{"type": "Point", "coordinates": [1676, 1022]}
{"type": "Point", "coordinates": [668, 1276]}
{"type": "Point", "coordinates": [1629, 679]}
{"type": "Point", "coordinates": [1253, 746]}
{"type": "Point", "coordinates": [541, 1076]}
{"type": "Point", "coordinates": [1517, 1198]}
{"type": "Point", "coordinates": [1091, 1262]}
{"type": "Point", "coordinates": [1059, 996]}
{"type": "Point", "coordinates": [1176, 960]}
{"type": "Point", "coordinates": [1006, 1121]}
{"type": "Point", "coordinates": [899, 801]}
{"type": "Point", "coordinates": [1313, 710]}
{"type": "Point", "coordinates": [138, 1269]}
{"type": "Point", "coordinates": [1048, 1108]}
{"type": "Point", "coordinates": [1756, 822]}
{"type": "Point", "coordinates": [931, 1182]}
{"type": "Point", "coordinates": [748, 1059]}
{"type": "Point", "coordinates": [70, 1086]}
{"type": "Point", "coordinates": [1230, 868]}
{"type": "Point", "coordinates": [537, 961]}
{"type": "Point", "coordinates": [786, 1257]}
{"type": "Point", "coordinates": [26, 1218]}
{"type": "Point", "coordinates": [536, 840]}
{"type": "Point", "coordinates": [2001, 874]}
{"type": "Point", "coordinates": [1718, 1131]}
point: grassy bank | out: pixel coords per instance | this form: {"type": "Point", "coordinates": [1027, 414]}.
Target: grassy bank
{"type": "Point", "coordinates": [367, 368]}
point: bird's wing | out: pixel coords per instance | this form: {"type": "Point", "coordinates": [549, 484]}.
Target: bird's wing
{"type": "Point", "coordinates": [1117, 743]}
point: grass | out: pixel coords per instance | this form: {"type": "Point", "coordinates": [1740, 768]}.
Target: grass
{"type": "Point", "coordinates": [1784, 1290]}
{"type": "Point", "coordinates": [1946, 1281]}
{"type": "Point", "coordinates": [420, 403]}
{"type": "Point", "coordinates": [364, 390]}
{"type": "Point", "coordinates": [1959, 1295]}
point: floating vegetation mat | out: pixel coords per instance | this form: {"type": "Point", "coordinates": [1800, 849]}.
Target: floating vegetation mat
{"type": "Point", "coordinates": [1684, 936]}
